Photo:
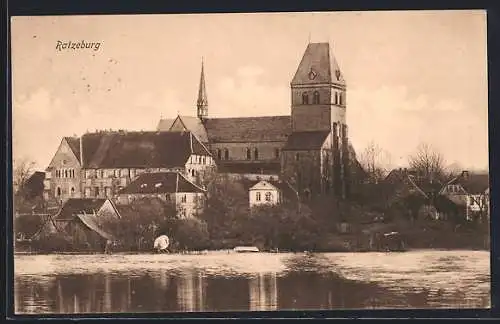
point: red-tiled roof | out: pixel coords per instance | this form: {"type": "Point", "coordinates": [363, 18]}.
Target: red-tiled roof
{"type": "Point", "coordinates": [139, 149]}
{"type": "Point", "coordinates": [248, 129]}
{"type": "Point", "coordinates": [306, 140]}
{"type": "Point", "coordinates": [159, 183]}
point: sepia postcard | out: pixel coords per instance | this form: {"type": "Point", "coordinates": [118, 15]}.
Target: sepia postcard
{"type": "Point", "coordinates": [250, 162]}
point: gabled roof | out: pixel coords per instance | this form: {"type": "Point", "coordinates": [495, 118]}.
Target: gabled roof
{"type": "Point", "coordinates": [312, 140]}
{"type": "Point", "coordinates": [165, 124]}
{"type": "Point", "coordinates": [249, 168]}
{"type": "Point", "coordinates": [91, 222]}
{"type": "Point", "coordinates": [75, 206]}
{"type": "Point", "coordinates": [160, 183]}
{"type": "Point", "coordinates": [74, 144]}
{"type": "Point", "coordinates": [248, 129]}
{"type": "Point", "coordinates": [318, 59]}
{"type": "Point", "coordinates": [140, 149]}
{"type": "Point", "coordinates": [282, 186]}
{"type": "Point", "coordinates": [191, 124]}
{"type": "Point", "coordinates": [473, 183]}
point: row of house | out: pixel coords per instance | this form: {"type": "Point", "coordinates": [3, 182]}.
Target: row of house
{"type": "Point", "coordinates": [465, 196]}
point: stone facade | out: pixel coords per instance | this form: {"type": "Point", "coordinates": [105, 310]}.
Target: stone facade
{"type": "Point", "coordinates": [63, 175]}
{"type": "Point", "coordinates": [253, 145]}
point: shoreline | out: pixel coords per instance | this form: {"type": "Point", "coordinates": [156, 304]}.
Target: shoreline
{"type": "Point", "coordinates": [205, 252]}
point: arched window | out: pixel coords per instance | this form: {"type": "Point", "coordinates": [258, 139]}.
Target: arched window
{"type": "Point", "coordinates": [192, 173]}
{"type": "Point", "coordinates": [226, 154]}
{"type": "Point", "coordinates": [256, 154]}
{"type": "Point", "coordinates": [336, 98]}
{"type": "Point", "coordinates": [219, 155]}
{"type": "Point", "coordinates": [72, 191]}
{"type": "Point", "coordinates": [297, 156]}
{"type": "Point", "coordinates": [316, 97]}
{"type": "Point", "coordinates": [58, 192]}
{"type": "Point", "coordinates": [277, 153]}
{"type": "Point", "coordinates": [341, 99]}
{"type": "Point", "coordinates": [305, 98]}
{"type": "Point", "coordinates": [269, 196]}
{"type": "Point", "coordinates": [65, 173]}
{"type": "Point", "coordinates": [249, 154]}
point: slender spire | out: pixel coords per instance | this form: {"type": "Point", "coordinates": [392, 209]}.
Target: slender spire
{"type": "Point", "coordinates": [202, 102]}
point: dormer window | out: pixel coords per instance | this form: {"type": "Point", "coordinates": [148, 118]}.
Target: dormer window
{"type": "Point", "coordinates": [305, 98]}
{"type": "Point", "coordinates": [316, 98]}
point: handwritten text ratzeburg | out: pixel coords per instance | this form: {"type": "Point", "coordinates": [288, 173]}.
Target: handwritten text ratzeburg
{"type": "Point", "coordinates": [77, 45]}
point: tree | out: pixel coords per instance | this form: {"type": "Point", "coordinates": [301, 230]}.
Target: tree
{"type": "Point", "coordinates": [428, 163]}
{"type": "Point", "coordinates": [22, 169]}
{"type": "Point", "coordinates": [375, 161]}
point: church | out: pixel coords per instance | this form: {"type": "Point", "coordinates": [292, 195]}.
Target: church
{"type": "Point", "coordinates": [309, 148]}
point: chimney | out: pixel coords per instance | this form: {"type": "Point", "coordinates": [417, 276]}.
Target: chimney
{"type": "Point", "coordinates": [81, 150]}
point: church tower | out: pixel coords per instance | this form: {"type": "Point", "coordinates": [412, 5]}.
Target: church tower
{"type": "Point", "coordinates": [319, 106]}
{"type": "Point", "coordinates": [202, 102]}
{"type": "Point", "coordinates": [318, 91]}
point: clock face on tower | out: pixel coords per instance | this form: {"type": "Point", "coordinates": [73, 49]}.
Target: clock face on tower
{"type": "Point", "coordinates": [312, 74]}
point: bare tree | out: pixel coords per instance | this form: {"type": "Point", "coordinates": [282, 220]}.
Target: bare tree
{"type": "Point", "coordinates": [428, 162]}
{"type": "Point", "coordinates": [375, 161]}
{"type": "Point", "coordinates": [22, 169]}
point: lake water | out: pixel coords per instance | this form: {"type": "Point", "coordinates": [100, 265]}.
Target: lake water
{"type": "Point", "coordinates": [222, 281]}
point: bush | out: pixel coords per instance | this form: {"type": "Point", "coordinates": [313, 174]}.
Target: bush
{"type": "Point", "coordinates": [140, 224]}
{"type": "Point", "coordinates": [191, 234]}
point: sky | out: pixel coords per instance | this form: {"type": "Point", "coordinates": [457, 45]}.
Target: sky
{"type": "Point", "coordinates": [412, 76]}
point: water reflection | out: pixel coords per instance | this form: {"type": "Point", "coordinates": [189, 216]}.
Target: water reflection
{"type": "Point", "coordinates": [308, 282]}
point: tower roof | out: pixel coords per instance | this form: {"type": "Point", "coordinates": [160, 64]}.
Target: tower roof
{"type": "Point", "coordinates": [202, 91]}
{"type": "Point", "coordinates": [318, 65]}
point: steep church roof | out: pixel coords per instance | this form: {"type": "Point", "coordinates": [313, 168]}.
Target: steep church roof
{"type": "Point", "coordinates": [248, 129]}
{"type": "Point", "coordinates": [312, 140]}
{"type": "Point", "coordinates": [318, 65]}
{"type": "Point", "coordinates": [164, 124]}
{"type": "Point", "coordinates": [190, 124]}
{"type": "Point", "coordinates": [139, 149]}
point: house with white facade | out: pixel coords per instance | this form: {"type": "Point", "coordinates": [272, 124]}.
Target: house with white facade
{"type": "Point", "coordinates": [171, 187]}
{"type": "Point", "coordinates": [471, 192]}
{"type": "Point", "coordinates": [269, 192]}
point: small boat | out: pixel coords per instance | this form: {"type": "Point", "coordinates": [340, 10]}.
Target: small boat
{"type": "Point", "coordinates": [246, 249]}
